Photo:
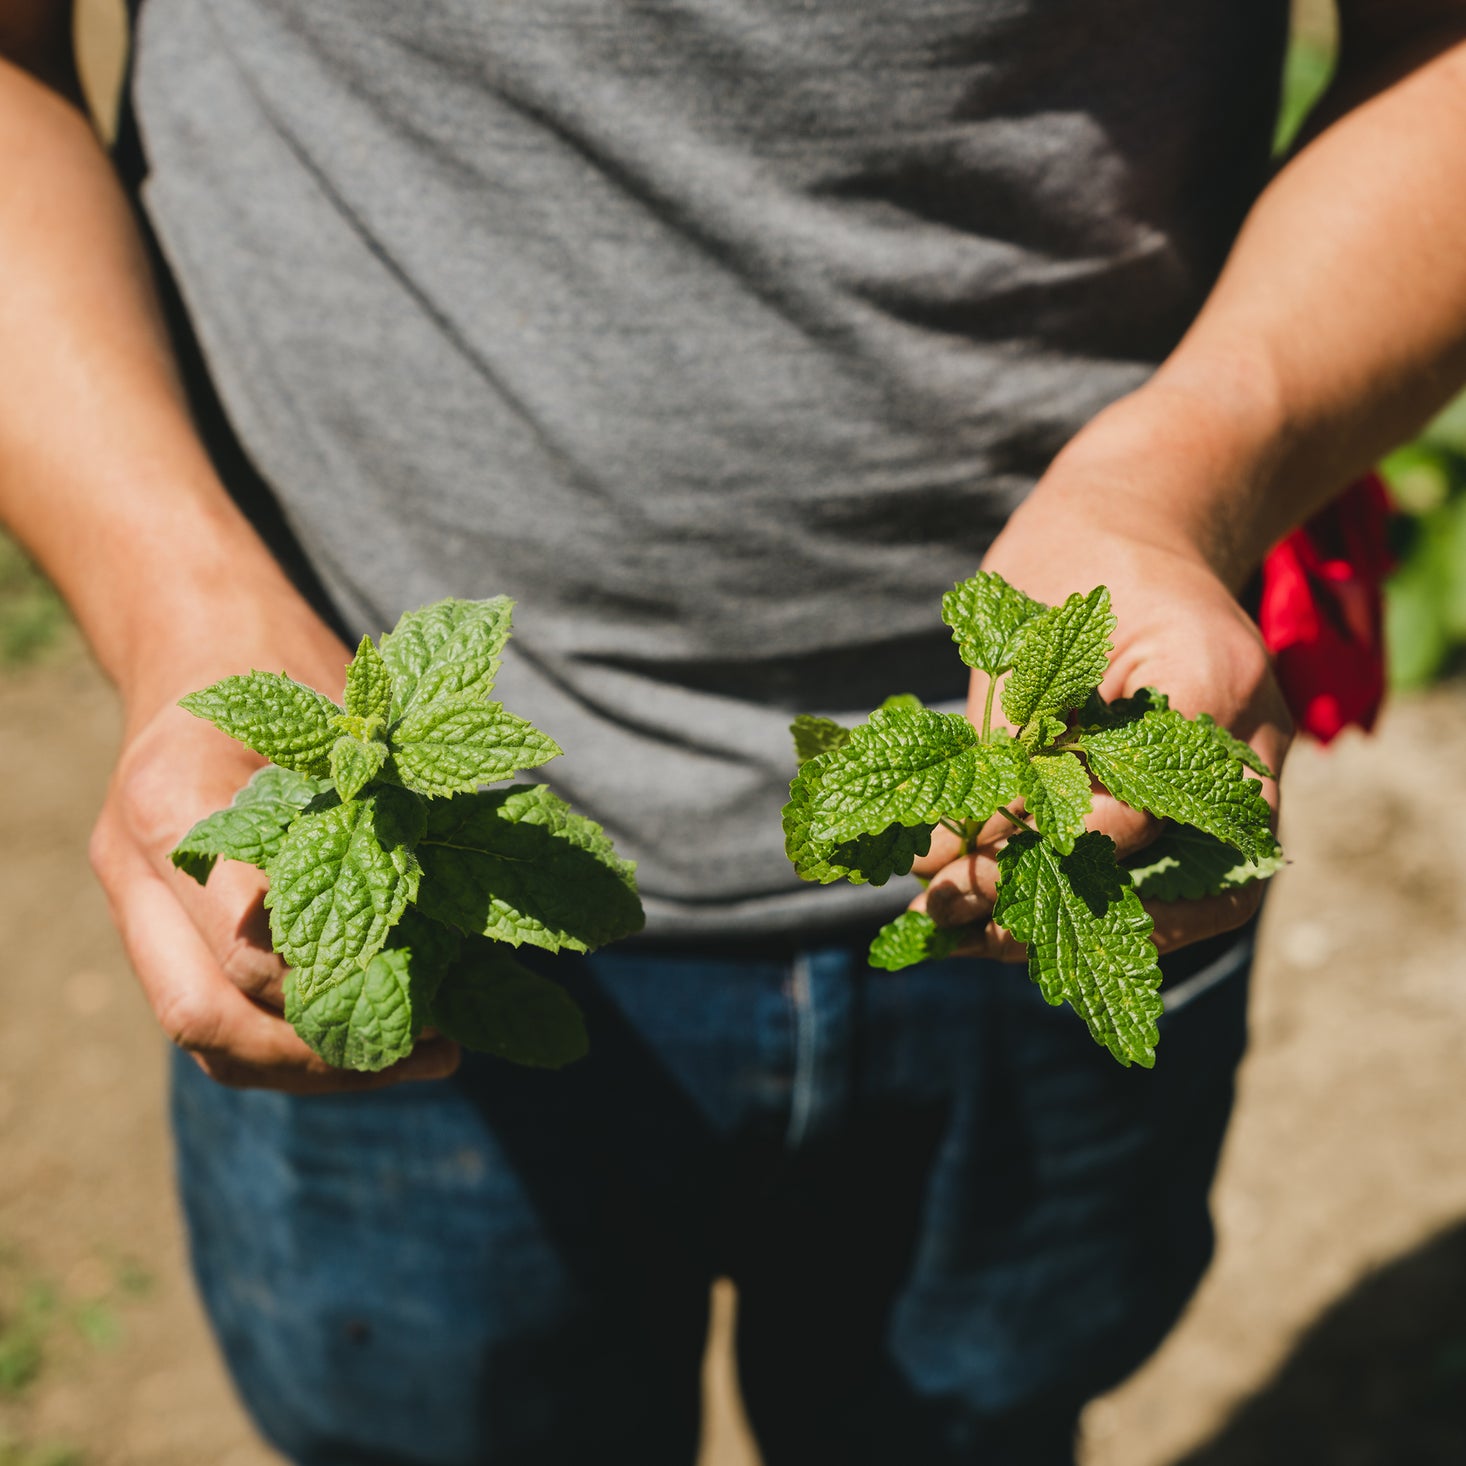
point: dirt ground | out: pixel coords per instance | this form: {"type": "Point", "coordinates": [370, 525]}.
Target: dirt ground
{"type": "Point", "coordinates": [1331, 1330]}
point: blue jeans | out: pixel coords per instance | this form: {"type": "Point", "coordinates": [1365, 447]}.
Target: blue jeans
{"type": "Point", "coordinates": [951, 1218]}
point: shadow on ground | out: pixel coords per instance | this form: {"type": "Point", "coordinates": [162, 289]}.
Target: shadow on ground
{"type": "Point", "coordinates": [1379, 1380]}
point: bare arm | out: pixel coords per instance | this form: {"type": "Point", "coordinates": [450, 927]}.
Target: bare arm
{"type": "Point", "coordinates": [101, 473]}
{"type": "Point", "coordinates": [1337, 328]}
{"type": "Point", "coordinates": [103, 478]}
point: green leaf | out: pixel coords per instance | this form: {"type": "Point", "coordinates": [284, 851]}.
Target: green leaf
{"type": "Point", "coordinates": [1097, 713]}
{"type": "Point", "coordinates": [449, 649]}
{"type": "Point", "coordinates": [289, 723]}
{"type": "Point", "coordinates": [987, 617]}
{"type": "Point", "coordinates": [355, 764]}
{"type": "Point", "coordinates": [1062, 657]}
{"type": "Point", "coordinates": [1056, 793]}
{"type": "Point", "coordinates": [874, 859]}
{"type": "Point", "coordinates": [496, 1005]}
{"type": "Point", "coordinates": [911, 768]}
{"type": "Point", "coordinates": [518, 865]}
{"type": "Point", "coordinates": [1041, 732]}
{"type": "Point", "coordinates": [814, 736]}
{"type": "Point", "coordinates": [434, 948]}
{"type": "Point", "coordinates": [1185, 864]}
{"type": "Point", "coordinates": [253, 825]}
{"type": "Point", "coordinates": [365, 1020]}
{"type": "Point", "coordinates": [902, 702]}
{"type": "Point", "coordinates": [913, 937]}
{"type": "Point", "coordinates": [1235, 747]}
{"type": "Point", "coordinates": [368, 685]}
{"type": "Point", "coordinates": [1177, 769]}
{"type": "Point", "coordinates": [1088, 938]}
{"type": "Point", "coordinates": [339, 883]}
{"type": "Point", "coordinates": [454, 744]}
{"type": "Point", "coordinates": [372, 1017]}
{"type": "Point", "coordinates": [1417, 641]}
{"type": "Point", "coordinates": [867, 859]}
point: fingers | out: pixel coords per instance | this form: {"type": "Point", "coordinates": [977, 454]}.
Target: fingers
{"type": "Point", "coordinates": [203, 953]}
{"type": "Point", "coordinates": [233, 1039]}
{"type": "Point", "coordinates": [962, 894]}
{"type": "Point", "coordinates": [964, 891]}
{"type": "Point", "coordinates": [229, 914]}
{"type": "Point", "coordinates": [177, 772]}
{"type": "Point", "coordinates": [1130, 829]}
{"type": "Point", "coordinates": [946, 845]}
{"type": "Point", "coordinates": [1179, 923]}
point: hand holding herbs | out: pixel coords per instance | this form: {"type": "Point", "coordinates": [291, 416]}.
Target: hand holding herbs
{"type": "Point", "coordinates": [866, 800]}
{"type": "Point", "coordinates": [397, 884]}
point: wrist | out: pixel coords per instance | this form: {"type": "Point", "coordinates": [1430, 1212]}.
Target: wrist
{"type": "Point", "coordinates": [1184, 465]}
{"type": "Point", "coordinates": [200, 598]}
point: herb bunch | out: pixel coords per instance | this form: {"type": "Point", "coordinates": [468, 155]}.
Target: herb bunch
{"type": "Point", "coordinates": [866, 799]}
{"type": "Point", "coordinates": [397, 884]}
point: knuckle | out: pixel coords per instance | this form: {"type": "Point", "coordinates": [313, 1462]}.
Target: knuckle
{"type": "Point", "coordinates": [191, 1024]}
{"type": "Point", "coordinates": [243, 963]}
{"type": "Point", "coordinates": [102, 848]}
{"type": "Point", "coordinates": [144, 794]}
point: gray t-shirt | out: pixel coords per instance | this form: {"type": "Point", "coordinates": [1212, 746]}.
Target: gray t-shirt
{"type": "Point", "coordinates": [721, 334]}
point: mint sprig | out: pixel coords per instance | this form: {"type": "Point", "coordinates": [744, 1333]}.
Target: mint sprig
{"type": "Point", "coordinates": [396, 879]}
{"type": "Point", "coordinates": [866, 799]}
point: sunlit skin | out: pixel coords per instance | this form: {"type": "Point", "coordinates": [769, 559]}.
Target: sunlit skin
{"type": "Point", "coordinates": [1337, 328]}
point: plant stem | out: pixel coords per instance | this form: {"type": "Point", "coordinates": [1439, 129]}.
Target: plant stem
{"type": "Point", "coordinates": [1013, 818]}
{"type": "Point", "coordinates": [987, 708]}
{"type": "Point", "coordinates": [955, 828]}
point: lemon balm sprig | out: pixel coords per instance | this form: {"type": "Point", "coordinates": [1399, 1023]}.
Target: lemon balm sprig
{"type": "Point", "coordinates": [866, 799]}
{"type": "Point", "coordinates": [398, 883]}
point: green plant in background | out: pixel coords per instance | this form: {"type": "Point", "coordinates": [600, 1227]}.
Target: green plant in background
{"type": "Point", "coordinates": [1306, 75]}
{"type": "Point", "coordinates": [24, 1327]}
{"type": "Point", "coordinates": [397, 883]}
{"type": "Point", "coordinates": [21, 1453]}
{"type": "Point", "coordinates": [865, 801]}
{"type": "Point", "coordinates": [1425, 599]}
{"type": "Point", "coordinates": [34, 1318]}
{"type": "Point", "coordinates": [32, 1311]}
{"type": "Point", "coordinates": [31, 613]}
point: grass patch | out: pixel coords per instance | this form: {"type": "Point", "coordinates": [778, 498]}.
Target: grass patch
{"type": "Point", "coordinates": [32, 616]}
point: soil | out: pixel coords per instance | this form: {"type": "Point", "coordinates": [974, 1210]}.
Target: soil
{"type": "Point", "coordinates": [1331, 1329]}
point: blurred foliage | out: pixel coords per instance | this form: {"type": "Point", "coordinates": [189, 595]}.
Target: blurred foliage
{"type": "Point", "coordinates": [1425, 600]}
{"type": "Point", "coordinates": [1309, 69]}
{"type": "Point", "coordinates": [31, 613]}
{"type": "Point", "coordinates": [18, 1453]}
{"type": "Point", "coordinates": [38, 1323]}
{"type": "Point", "coordinates": [23, 1331]}
{"type": "Point", "coordinates": [32, 1311]}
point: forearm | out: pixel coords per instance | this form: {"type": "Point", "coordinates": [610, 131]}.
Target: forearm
{"type": "Point", "coordinates": [1337, 328]}
{"type": "Point", "coordinates": [102, 476]}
